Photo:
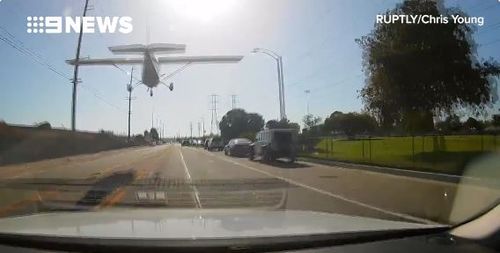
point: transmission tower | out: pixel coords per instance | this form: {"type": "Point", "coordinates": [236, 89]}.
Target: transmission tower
{"type": "Point", "coordinates": [233, 101]}
{"type": "Point", "coordinates": [213, 109]}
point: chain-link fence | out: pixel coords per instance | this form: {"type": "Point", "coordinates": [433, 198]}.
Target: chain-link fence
{"type": "Point", "coordinates": [438, 153]}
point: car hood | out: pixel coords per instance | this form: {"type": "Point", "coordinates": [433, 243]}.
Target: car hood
{"type": "Point", "coordinates": [140, 223]}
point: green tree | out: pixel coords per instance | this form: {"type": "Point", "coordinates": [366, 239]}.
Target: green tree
{"type": "Point", "coordinates": [351, 123]}
{"type": "Point", "coordinates": [311, 121]}
{"type": "Point", "coordinates": [417, 71]}
{"type": "Point", "coordinates": [332, 123]}
{"type": "Point", "coordinates": [238, 123]}
{"type": "Point", "coordinates": [496, 120]}
{"type": "Point", "coordinates": [473, 124]}
{"type": "Point", "coordinates": [255, 122]}
{"type": "Point", "coordinates": [272, 124]}
{"type": "Point", "coordinates": [450, 124]}
{"type": "Point", "coordinates": [154, 134]}
{"type": "Point", "coordinates": [283, 123]}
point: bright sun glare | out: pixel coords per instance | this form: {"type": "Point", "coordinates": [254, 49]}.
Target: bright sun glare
{"type": "Point", "coordinates": [202, 10]}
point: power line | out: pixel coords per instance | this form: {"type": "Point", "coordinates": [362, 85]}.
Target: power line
{"type": "Point", "coordinates": [312, 75]}
{"type": "Point", "coordinates": [126, 72]}
{"type": "Point", "coordinates": [476, 6]}
{"type": "Point", "coordinates": [21, 43]}
{"type": "Point", "coordinates": [30, 54]}
{"type": "Point", "coordinates": [493, 26]}
{"type": "Point", "coordinates": [335, 84]}
{"type": "Point", "coordinates": [175, 72]}
{"type": "Point", "coordinates": [490, 43]}
{"type": "Point", "coordinates": [37, 58]}
{"type": "Point", "coordinates": [97, 95]}
{"type": "Point", "coordinates": [309, 51]}
{"type": "Point", "coordinates": [489, 7]}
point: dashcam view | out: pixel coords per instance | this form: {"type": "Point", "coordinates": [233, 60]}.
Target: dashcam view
{"type": "Point", "coordinates": [250, 125]}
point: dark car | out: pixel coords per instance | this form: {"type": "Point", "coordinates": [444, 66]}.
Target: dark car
{"type": "Point", "coordinates": [237, 147]}
{"type": "Point", "coordinates": [215, 143]}
{"type": "Point", "coordinates": [185, 143]}
{"type": "Point", "coordinates": [272, 144]}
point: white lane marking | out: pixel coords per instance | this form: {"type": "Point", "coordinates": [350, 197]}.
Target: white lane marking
{"type": "Point", "coordinates": [401, 215]}
{"type": "Point", "coordinates": [381, 168]}
{"type": "Point", "coordinates": [188, 175]}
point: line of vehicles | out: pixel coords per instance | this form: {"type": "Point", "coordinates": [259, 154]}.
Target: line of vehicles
{"type": "Point", "coordinates": [269, 145]}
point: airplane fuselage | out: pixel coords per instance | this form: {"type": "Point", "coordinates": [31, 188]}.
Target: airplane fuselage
{"type": "Point", "coordinates": [150, 70]}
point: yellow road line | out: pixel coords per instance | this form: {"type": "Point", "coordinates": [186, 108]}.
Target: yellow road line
{"type": "Point", "coordinates": [112, 199]}
{"type": "Point", "coordinates": [117, 196]}
{"type": "Point", "coordinates": [35, 197]}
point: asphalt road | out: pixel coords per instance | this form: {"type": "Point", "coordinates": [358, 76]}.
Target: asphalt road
{"type": "Point", "coordinates": [171, 176]}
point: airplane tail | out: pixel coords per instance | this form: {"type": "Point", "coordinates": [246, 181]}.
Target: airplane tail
{"type": "Point", "coordinates": [158, 48]}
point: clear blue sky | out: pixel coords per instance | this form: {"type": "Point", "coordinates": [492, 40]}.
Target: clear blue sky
{"type": "Point", "coordinates": [315, 38]}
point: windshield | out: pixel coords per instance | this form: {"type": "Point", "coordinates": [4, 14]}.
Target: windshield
{"type": "Point", "coordinates": [379, 108]}
{"type": "Point", "coordinates": [283, 137]}
{"type": "Point", "coordinates": [242, 141]}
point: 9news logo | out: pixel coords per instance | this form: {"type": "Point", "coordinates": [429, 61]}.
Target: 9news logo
{"type": "Point", "coordinates": [57, 24]}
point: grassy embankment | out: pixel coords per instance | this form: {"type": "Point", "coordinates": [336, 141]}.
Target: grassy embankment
{"type": "Point", "coordinates": [26, 144]}
{"type": "Point", "coordinates": [443, 154]}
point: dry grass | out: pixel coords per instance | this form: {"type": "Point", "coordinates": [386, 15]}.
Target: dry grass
{"type": "Point", "coordinates": [26, 144]}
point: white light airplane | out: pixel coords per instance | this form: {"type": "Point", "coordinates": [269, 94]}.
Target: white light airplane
{"type": "Point", "coordinates": [151, 76]}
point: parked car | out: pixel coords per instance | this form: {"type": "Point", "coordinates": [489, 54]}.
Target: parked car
{"type": "Point", "coordinates": [215, 143]}
{"type": "Point", "coordinates": [185, 143]}
{"type": "Point", "coordinates": [237, 147]}
{"type": "Point", "coordinates": [271, 144]}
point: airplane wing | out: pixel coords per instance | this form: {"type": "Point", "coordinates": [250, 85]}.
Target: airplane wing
{"type": "Point", "coordinates": [166, 48]}
{"type": "Point", "coordinates": [107, 61]}
{"type": "Point", "coordinates": [159, 48]}
{"type": "Point", "coordinates": [128, 49]}
{"type": "Point", "coordinates": [200, 59]}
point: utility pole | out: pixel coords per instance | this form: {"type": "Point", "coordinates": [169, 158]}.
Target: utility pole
{"type": "Point", "coordinates": [129, 89]}
{"type": "Point", "coordinates": [152, 120]}
{"type": "Point", "coordinates": [163, 129]}
{"type": "Point", "coordinates": [213, 109]}
{"type": "Point", "coordinates": [203, 125]}
{"type": "Point", "coordinates": [199, 129]}
{"type": "Point", "coordinates": [75, 73]}
{"type": "Point", "coordinates": [191, 129]}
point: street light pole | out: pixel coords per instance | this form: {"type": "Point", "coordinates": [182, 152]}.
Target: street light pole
{"type": "Point", "coordinates": [307, 92]}
{"type": "Point", "coordinates": [281, 87]}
